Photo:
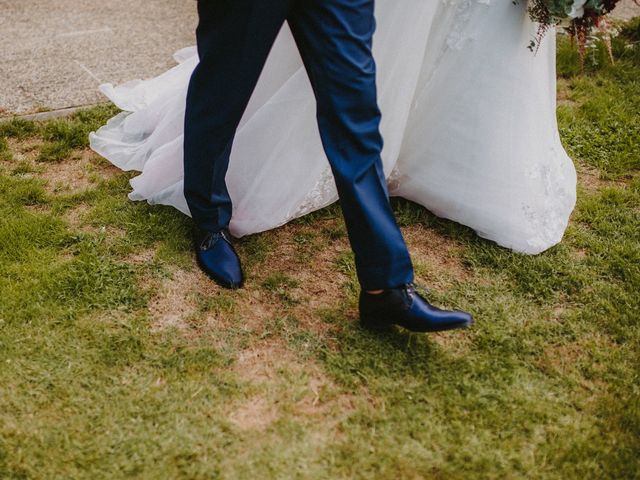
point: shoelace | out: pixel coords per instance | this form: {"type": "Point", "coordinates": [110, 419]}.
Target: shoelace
{"type": "Point", "coordinates": [211, 238]}
{"type": "Point", "coordinates": [411, 289]}
{"type": "Point", "coordinates": [417, 288]}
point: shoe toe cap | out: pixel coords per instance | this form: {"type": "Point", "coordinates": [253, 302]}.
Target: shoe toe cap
{"type": "Point", "coordinates": [434, 319]}
{"type": "Point", "coordinates": [222, 263]}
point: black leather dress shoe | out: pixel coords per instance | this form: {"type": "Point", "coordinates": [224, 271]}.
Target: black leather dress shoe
{"type": "Point", "coordinates": [407, 308]}
{"type": "Point", "coordinates": [218, 259]}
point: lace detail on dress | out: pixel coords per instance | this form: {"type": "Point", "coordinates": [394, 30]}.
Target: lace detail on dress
{"type": "Point", "coordinates": [457, 19]}
{"type": "Point", "coordinates": [460, 28]}
{"type": "Point", "coordinates": [394, 180]}
{"type": "Point", "coordinates": [547, 221]}
{"type": "Point", "coordinates": [547, 218]}
{"type": "Point", "coordinates": [323, 193]}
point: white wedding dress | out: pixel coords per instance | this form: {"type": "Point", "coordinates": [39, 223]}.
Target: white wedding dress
{"type": "Point", "coordinates": [468, 120]}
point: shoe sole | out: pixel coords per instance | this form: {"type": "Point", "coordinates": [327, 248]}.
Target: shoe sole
{"type": "Point", "coordinates": [377, 326]}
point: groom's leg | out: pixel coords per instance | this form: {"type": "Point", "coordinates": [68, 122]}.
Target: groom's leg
{"type": "Point", "coordinates": [234, 40]}
{"type": "Point", "coordinates": [334, 37]}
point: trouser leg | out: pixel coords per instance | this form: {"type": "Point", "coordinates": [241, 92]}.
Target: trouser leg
{"type": "Point", "coordinates": [335, 38]}
{"type": "Point", "coordinates": [234, 40]}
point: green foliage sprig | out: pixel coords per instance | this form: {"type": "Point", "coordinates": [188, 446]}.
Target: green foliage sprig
{"type": "Point", "coordinates": [579, 17]}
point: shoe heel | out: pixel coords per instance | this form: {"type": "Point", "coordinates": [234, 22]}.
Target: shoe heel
{"type": "Point", "coordinates": [374, 325]}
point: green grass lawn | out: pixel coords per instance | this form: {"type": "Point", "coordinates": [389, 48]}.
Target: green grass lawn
{"type": "Point", "coordinates": [119, 359]}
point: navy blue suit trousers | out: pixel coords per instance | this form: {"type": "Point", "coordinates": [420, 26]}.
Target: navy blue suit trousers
{"type": "Point", "coordinates": [335, 39]}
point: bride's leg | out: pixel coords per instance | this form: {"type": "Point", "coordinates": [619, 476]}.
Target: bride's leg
{"type": "Point", "coordinates": [234, 40]}
{"type": "Point", "coordinates": [334, 38]}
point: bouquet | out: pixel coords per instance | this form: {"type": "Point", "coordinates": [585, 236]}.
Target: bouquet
{"type": "Point", "coordinates": [579, 17]}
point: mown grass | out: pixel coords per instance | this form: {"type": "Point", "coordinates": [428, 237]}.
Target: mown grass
{"type": "Point", "coordinates": [120, 360]}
